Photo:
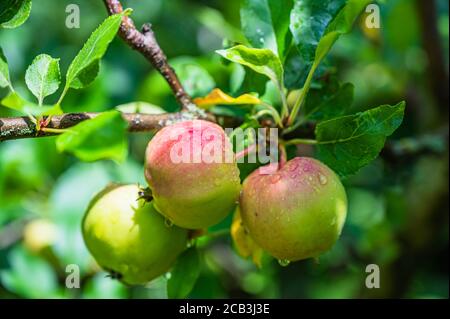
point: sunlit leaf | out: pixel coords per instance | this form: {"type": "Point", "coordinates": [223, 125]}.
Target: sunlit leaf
{"type": "Point", "coordinates": [262, 61]}
{"type": "Point", "coordinates": [43, 76]}
{"type": "Point", "coordinates": [84, 68]}
{"type": "Point", "coordinates": [14, 101]}
{"type": "Point", "coordinates": [218, 97]}
{"type": "Point", "coordinates": [4, 70]}
{"type": "Point", "coordinates": [14, 13]}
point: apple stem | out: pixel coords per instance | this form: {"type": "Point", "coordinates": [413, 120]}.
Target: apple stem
{"type": "Point", "coordinates": [283, 156]}
{"type": "Point", "coordinates": [246, 151]}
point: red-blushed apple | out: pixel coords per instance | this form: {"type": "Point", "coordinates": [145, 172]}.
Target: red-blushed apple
{"type": "Point", "coordinates": [297, 212]}
{"type": "Point", "coordinates": [128, 237]}
{"type": "Point", "coordinates": [192, 172]}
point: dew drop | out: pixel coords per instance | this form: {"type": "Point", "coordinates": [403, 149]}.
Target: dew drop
{"type": "Point", "coordinates": [275, 178]}
{"type": "Point", "coordinates": [322, 179]}
{"type": "Point", "coordinates": [284, 262]}
{"type": "Point", "coordinates": [333, 221]}
{"type": "Point", "coordinates": [168, 275]}
{"type": "Point", "coordinates": [190, 243]}
{"type": "Point", "coordinates": [168, 222]}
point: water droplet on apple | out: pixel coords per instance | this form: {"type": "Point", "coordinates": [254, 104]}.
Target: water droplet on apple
{"type": "Point", "coordinates": [168, 222]}
{"type": "Point", "coordinates": [284, 262]}
{"type": "Point", "coordinates": [275, 178]}
{"type": "Point", "coordinates": [190, 243]}
{"type": "Point", "coordinates": [322, 179]}
{"type": "Point", "coordinates": [333, 221]}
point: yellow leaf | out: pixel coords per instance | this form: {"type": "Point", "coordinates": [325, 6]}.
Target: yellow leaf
{"type": "Point", "coordinates": [217, 97]}
{"type": "Point", "coordinates": [244, 244]}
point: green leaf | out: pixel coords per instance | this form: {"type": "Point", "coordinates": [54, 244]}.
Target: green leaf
{"type": "Point", "coordinates": [328, 102]}
{"type": "Point", "coordinates": [4, 71]}
{"type": "Point", "coordinates": [265, 23]}
{"type": "Point", "coordinates": [316, 26]}
{"type": "Point", "coordinates": [348, 143]}
{"type": "Point", "coordinates": [84, 68]}
{"type": "Point", "coordinates": [43, 76]}
{"type": "Point", "coordinates": [86, 76]}
{"type": "Point", "coordinates": [14, 101]}
{"type": "Point", "coordinates": [29, 275]}
{"type": "Point", "coordinates": [103, 137]}
{"type": "Point", "coordinates": [309, 20]}
{"type": "Point", "coordinates": [140, 107]}
{"type": "Point", "coordinates": [280, 11]}
{"type": "Point", "coordinates": [101, 287]}
{"type": "Point", "coordinates": [256, 22]}
{"type": "Point", "coordinates": [245, 80]}
{"type": "Point", "coordinates": [195, 79]}
{"type": "Point", "coordinates": [262, 61]}
{"type": "Point", "coordinates": [14, 13]}
{"type": "Point", "coordinates": [184, 274]}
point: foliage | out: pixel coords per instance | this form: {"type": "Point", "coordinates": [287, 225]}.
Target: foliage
{"type": "Point", "coordinates": [297, 63]}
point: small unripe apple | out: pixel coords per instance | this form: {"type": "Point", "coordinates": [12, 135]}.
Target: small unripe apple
{"type": "Point", "coordinates": [297, 212]}
{"type": "Point", "coordinates": [39, 234]}
{"type": "Point", "coordinates": [192, 173]}
{"type": "Point", "coordinates": [128, 238]}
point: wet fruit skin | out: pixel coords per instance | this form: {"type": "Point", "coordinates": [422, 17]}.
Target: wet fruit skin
{"type": "Point", "coordinates": [296, 213]}
{"type": "Point", "coordinates": [192, 194]}
{"type": "Point", "coordinates": [128, 238]}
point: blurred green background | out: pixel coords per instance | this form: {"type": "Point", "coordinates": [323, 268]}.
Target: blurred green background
{"type": "Point", "coordinates": [398, 205]}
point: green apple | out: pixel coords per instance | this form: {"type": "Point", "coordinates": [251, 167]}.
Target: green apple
{"type": "Point", "coordinates": [128, 238]}
{"type": "Point", "coordinates": [296, 213]}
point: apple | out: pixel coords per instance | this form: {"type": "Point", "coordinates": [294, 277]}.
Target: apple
{"type": "Point", "coordinates": [128, 237]}
{"type": "Point", "coordinates": [192, 172]}
{"type": "Point", "coordinates": [296, 213]}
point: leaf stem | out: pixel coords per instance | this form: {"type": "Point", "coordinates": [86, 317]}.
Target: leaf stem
{"type": "Point", "coordinates": [296, 141]}
{"type": "Point", "coordinates": [63, 94]}
{"type": "Point", "coordinates": [283, 155]}
{"type": "Point", "coordinates": [303, 93]}
{"type": "Point", "coordinates": [274, 113]}
{"type": "Point", "coordinates": [285, 110]}
{"type": "Point", "coordinates": [54, 130]}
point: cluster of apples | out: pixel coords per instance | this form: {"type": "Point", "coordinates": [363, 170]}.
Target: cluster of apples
{"type": "Point", "coordinates": [296, 213]}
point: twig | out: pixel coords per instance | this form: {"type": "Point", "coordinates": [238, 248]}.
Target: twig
{"type": "Point", "coordinates": [436, 69]}
{"type": "Point", "coordinates": [145, 42]}
{"type": "Point", "coordinates": [22, 127]}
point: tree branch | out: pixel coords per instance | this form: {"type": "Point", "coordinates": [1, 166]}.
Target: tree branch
{"type": "Point", "coordinates": [437, 74]}
{"type": "Point", "coordinates": [145, 42]}
{"type": "Point", "coordinates": [22, 127]}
